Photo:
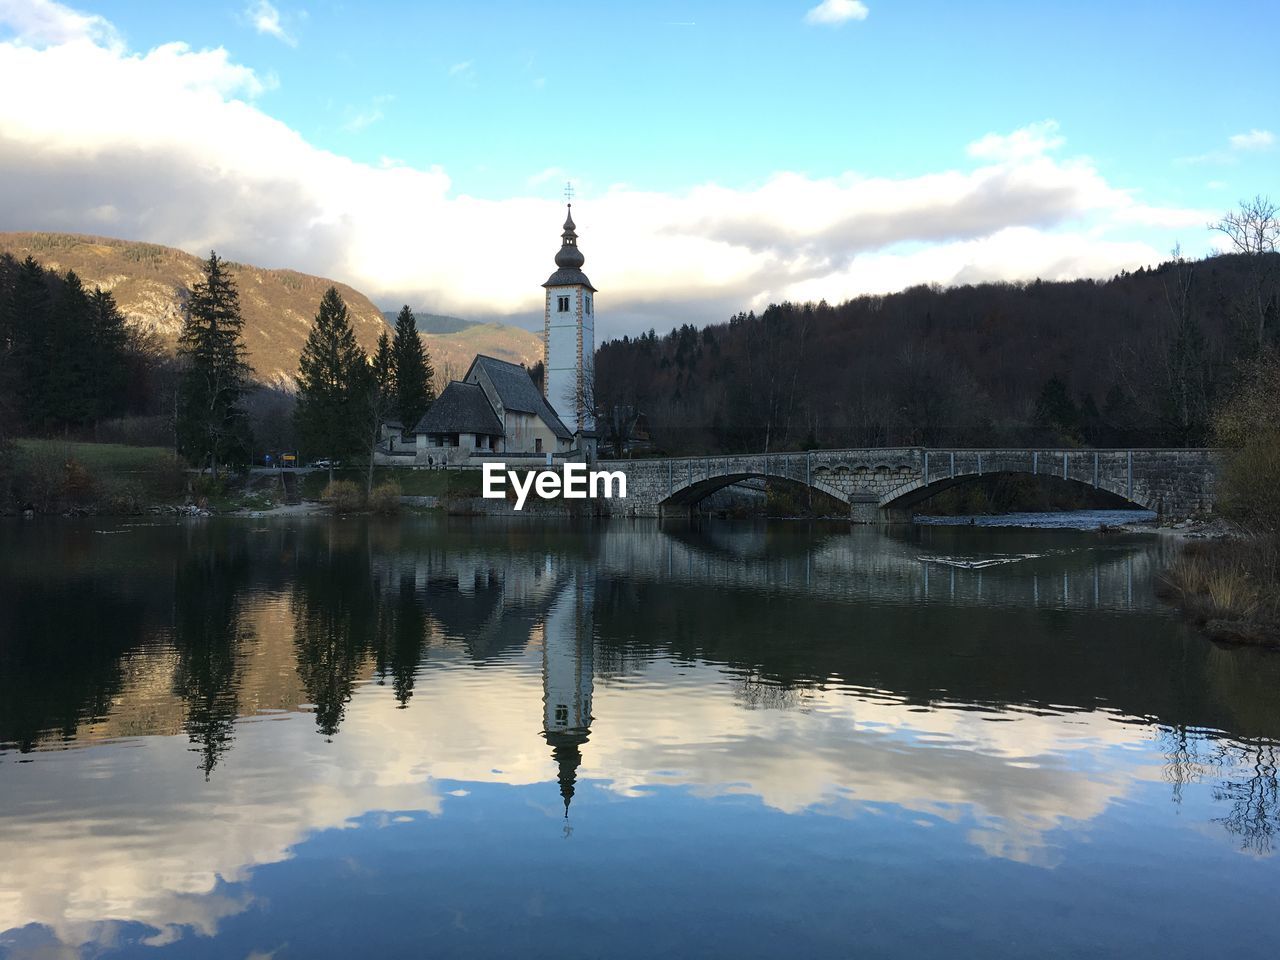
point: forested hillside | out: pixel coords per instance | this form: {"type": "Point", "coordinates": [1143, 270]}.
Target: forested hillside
{"type": "Point", "coordinates": [1135, 360]}
{"type": "Point", "coordinates": [150, 285]}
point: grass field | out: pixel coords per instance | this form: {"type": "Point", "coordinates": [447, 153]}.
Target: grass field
{"type": "Point", "coordinates": [51, 476]}
{"type": "Point", "coordinates": [107, 457]}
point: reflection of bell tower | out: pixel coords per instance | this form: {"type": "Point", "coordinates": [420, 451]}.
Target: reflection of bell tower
{"type": "Point", "coordinates": [567, 679]}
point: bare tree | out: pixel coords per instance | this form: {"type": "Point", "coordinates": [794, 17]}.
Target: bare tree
{"type": "Point", "coordinates": [1185, 407]}
{"type": "Point", "coordinates": [615, 410]}
{"type": "Point", "coordinates": [1254, 229]}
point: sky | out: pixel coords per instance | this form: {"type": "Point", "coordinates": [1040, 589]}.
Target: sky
{"type": "Point", "coordinates": [723, 155]}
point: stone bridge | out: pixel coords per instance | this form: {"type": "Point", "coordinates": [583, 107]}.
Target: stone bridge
{"type": "Point", "coordinates": [888, 483]}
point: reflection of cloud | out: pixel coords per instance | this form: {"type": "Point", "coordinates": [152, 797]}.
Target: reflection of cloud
{"type": "Point", "coordinates": [101, 857]}
{"type": "Point", "coordinates": [1018, 780]}
{"type": "Point", "coordinates": [172, 143]}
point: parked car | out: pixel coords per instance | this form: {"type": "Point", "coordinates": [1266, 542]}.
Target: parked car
{"type": "Point", "coordinates": [326, 464]}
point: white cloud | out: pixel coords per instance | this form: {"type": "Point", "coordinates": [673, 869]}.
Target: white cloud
{"type": "Point", "coordinates": [461, 69]}
{"type": "Point", "coordinates": [1253, 140]}
{"type": "Point", "coordinates": [266, 20]}
{"type": "Point", "coordinates": [41, 22]}
{"type": "Point", "coordinates": [1030, 141]}
{"type": "Point", "coordinates": [358, 120]}
{"type": "Point", "coordinates": [837, 12]}
{"type": "Point", "coordinates": [168, 146]}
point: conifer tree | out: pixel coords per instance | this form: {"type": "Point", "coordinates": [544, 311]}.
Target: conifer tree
{"type": "Point", "coordinates": [212, 426]}
{"type": "Point", "coordinates": [380, 387]}
{"type": "Point", "coordinates": [67, 396]}
{"type": "Point", "coordinates": [28, 323]}
{"type": "Point", "coordinates": [108, 350]}
{"type": "Point", "coordinates": [332, 385]}
{"type": "Point", "coordinates": [411, 366]}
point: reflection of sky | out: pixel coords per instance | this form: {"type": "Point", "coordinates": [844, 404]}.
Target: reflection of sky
{"type": "Point", "coordinates": [824, 815]}
{"type": "Point", "coordinates": [137, 836]}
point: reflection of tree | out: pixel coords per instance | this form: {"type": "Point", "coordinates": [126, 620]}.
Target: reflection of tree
{"type": "Point", "coordinates": [60, 648]}
{"type": "Point", "coordinates": [1243, 772]}
{"type": "Point", "coordinates": [1254, 817]}
{"type": "Point", "coordinates": [1183, 761]}
{"type": "Point", "coordinates": [335, 623]}
{"type": "Point", "coordinates": [400, 635]}
{"type": "Point", "coordinates": [207, 635]}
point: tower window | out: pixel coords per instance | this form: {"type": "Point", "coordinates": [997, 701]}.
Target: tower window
{"type": "Point", "coordinates": [562, 714]}
{"type": "Point", "coordinates": [562, 304]}
{"type": "Point", "coordinates": [587, 303]}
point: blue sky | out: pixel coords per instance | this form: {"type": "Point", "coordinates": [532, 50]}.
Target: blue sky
{"type": "Point", "coordinates": [499, 103]}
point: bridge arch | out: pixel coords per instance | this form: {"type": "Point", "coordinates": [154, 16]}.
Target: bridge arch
{"type": "Point", "coordinates": [690, 493]}
{"type": "Point", "coordinates": [914, 492]}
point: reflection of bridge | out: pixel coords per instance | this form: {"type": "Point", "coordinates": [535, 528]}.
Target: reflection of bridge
{"type": "Point", "coordinates": [888, 483]}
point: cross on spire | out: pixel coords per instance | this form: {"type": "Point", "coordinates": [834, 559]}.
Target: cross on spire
{"type": "Point", "coordinates": [568, 191]}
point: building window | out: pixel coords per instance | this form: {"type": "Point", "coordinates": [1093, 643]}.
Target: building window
{"type": "Point", "coordinates": [537, 444]}
{"type": "Point", "coordinates": [562, 304]}
{"type": "Point", "coordinates": [587, 304]}
{"type": "Point", "coordinates": [562, 714]}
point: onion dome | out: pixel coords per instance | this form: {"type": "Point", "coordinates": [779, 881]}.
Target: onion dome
{"type": "Point", "coordinates": [569, 260]}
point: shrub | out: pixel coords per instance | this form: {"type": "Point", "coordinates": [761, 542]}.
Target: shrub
{"type": "Point", "coordinates": [121, 496]}
{"type": "Point", "coordinates": [205, 487]}
{"type": "Point", "coordinates": [385, 499]}
{"type": "Point", "coordinates": [1224, 583]}
{"type": "Point", "coordinates": [78, 483]}
{"type": "Point", "coordinates": [168, 477]}
{"type": "Point", "coordinates": [40, 479]}
{"type": "Point", "coordinates": [343, 496]}
{"type": "Point", "coordinates": [1249, 424]}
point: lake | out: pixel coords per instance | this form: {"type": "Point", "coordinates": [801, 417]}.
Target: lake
{"type": "Point", "coordinates": [444, 737]}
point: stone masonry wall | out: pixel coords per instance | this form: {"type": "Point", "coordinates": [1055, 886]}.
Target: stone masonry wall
{"type": "Point", "coordinates": [877, 483]}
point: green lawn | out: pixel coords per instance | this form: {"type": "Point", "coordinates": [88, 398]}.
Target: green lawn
{"type": "Point", "coordinates": [114, 458]}
{"type": "Point", "coordinates": [111, 477]}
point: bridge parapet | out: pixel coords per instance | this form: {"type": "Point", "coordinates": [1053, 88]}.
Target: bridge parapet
{"type": "Point", "coordinates": [887, 482]}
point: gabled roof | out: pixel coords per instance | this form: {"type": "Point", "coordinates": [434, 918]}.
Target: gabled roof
{"type": "Point", "coordinates": [461, 408]}
{"type": "Point", "coordinates": [517, 392]}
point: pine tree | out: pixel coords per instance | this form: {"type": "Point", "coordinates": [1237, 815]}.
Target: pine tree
{"type": "Point", "coordinates": [67, 393]}
{"type": "Point", "coordinates": [411, 366]}
{"type": "Point", "coordinates": [380, 387]}
{"type": "Point", "coordinates": [384, 367]}
{"type": "Point", "coordinates": [28, 324]}
{"type": "Point", "coordinates": [211, 424]}
{"type": "Point", "coordinates": [108, 348]}
{"type": "Point", "coordinates": [332, 385]}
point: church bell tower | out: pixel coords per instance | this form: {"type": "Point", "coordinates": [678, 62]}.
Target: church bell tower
{"type": "Point", "coordinates": [568, 338]}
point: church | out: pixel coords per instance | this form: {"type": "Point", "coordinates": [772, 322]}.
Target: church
{"type": "Point", "coordinates": [497, 410]}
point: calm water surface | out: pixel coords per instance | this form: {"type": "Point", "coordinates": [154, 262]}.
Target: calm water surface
{"type": "Point", "coordinates": [319, 738]}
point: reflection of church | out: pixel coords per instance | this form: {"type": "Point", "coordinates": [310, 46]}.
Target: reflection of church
{"type": "Point", "coordinates": [567, 665]}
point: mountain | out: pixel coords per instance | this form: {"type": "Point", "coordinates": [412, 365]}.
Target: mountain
{"type": "Point", "coordinates": [432, 322]}
{"type": "Point", "coordinates": [454, 341]}
{"type": "Point", "coordinates": [151, 284]}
